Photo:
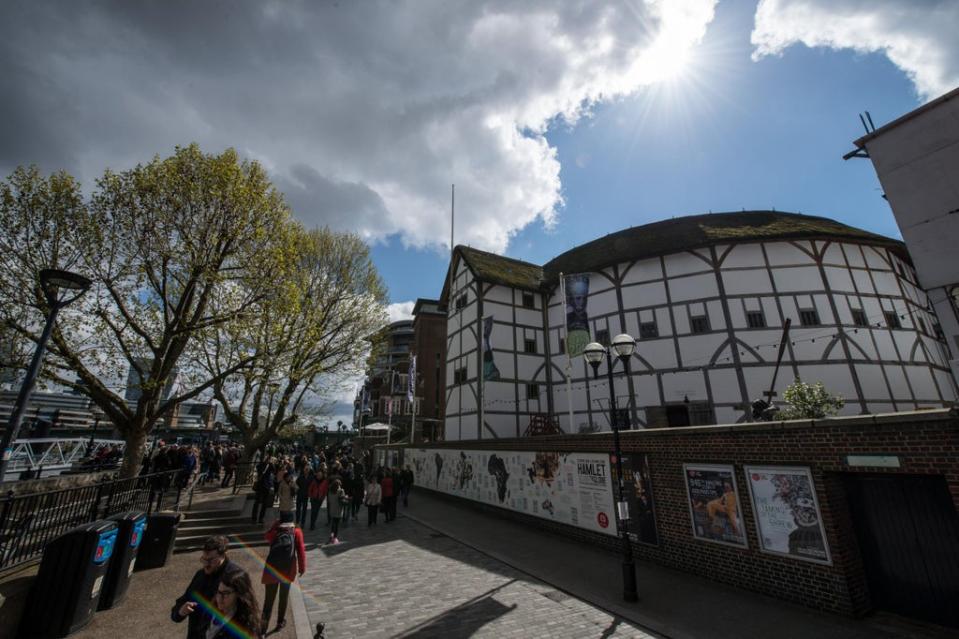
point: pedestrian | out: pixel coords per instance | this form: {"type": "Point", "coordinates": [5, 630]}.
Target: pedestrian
{"type": "Point", "coordinates": [373, 499]}
{"type": "Point", "coordinates": [286, 489]}
{"type": "Point", "coordinates": [237, 613]}
{"type": "Point", "coordinates": [406, 481]}
{"type": "Point", "coordinates": [230, 459]}
{"type": "Point", "coordinates": [286, 558]}
{"type": "Point", "coordinates": [265, 486]}
{"type": "Point", "coordinates": [303, 481]}
{"type": "Point", "coordinates": [317, 492]}
{"type": "Point", "coordinates": [338, 501]}
{"type": "Point", "coordinates": [192, 604]}
{"type": "Point", "coordinates": [386, 484]}
{"type": "Point", "coordinates": [357, 489]}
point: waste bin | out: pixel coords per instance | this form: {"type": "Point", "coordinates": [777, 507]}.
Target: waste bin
{"type": "Point", "coordinates": [130, 528]}
{"type": "Point", "coordinates": [67, 588]}
{"type": "Point", "coordinates": [157, 544]}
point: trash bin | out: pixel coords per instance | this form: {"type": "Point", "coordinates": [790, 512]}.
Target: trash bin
{"type": "Point", "coordinates": [68, 584]}
{"type": "Point", "coordinates": [130, 528]}
{"type": "Point", "coordinates": [157, 544]}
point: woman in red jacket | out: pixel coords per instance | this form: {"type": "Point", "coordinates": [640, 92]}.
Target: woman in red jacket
{"type": "Point", "coordinates": [388, 494]}
{"type": "Point", "coordinates": [287, 557]}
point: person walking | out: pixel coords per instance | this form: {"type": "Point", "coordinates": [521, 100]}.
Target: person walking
{"type": "Point", "coordinates": [318, 489]}
{"type": "Point", "coordinates": [237, 613]}
{"type": "Point", "coordinates": [286, 488]}
{"type": "Point", "coordinates": [265, 485]}
{"type": "Point", "coordinates": [191, 604]}
{"type": "Point", "coordinates": [357, 490]}
{"type": "Point", "coordinates": [406, 481]}
{"type": "Point", "coordinates": [303, 481]}
{"type": "Point", "coordinates": [373, 499]}
{"type": "Point", "coordinates": [230, 459]}
{"type": "Point", "coordinates": [286, 558]}
{"type": "Point", "coordinates": [389, 495]}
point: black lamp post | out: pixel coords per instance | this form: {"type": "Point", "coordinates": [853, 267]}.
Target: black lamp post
{"type": "Point", "coordinates": [594, 353]}
{"type": "Point", "coordinates": [60, 289]}
{"type": "Point", "coordinates": [93, 433]}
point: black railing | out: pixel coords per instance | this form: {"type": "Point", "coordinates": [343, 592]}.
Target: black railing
{"type": "Point", "coordinates": [29, 522]}
{"type": "Point", "coordinates": [243, 476]}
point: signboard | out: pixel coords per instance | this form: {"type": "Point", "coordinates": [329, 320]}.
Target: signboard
{"type": "Point", "coordinates": [788, 520]}
{"type": "Point", "coordinates": [569, 488]}
{"type": "Point", "coordinates": [714, 504]}
{"type": "Point", "coordinates": [638, 494]}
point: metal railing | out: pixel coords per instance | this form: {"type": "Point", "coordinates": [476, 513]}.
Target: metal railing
{"type": "Point", "coordinates": [54, 453]}
{"type": "Point", "coordinates": [29, 522]}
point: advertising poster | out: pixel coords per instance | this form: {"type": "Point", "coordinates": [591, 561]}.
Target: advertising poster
{"type": "Point", "coordinates": [577, 319]}
{"type": "Point", "coordinates": [788, 520]}
{"type": "Point", "coordinates": [639, 495]}
{"type": "Point", "coordinates": [490, 372]}
{"type": "Point", "coordinates": [570, 488]}
{"type": "Point", "coordinates": [714, 504]}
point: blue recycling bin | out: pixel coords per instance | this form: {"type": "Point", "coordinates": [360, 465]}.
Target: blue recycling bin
{"type": "Point", "coordinates": [130, 530]}
{"type": "Point", "coordinates": [67, 588]}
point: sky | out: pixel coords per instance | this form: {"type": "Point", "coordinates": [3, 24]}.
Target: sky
{"type": "Point", "coordinates": [558, 121]}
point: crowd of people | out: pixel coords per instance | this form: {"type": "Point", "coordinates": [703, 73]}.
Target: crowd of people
{"type": "Point", "coordinates": [299, 483]}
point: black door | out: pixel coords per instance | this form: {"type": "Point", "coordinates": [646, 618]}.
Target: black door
{"type": "Point", "coordinates": [908, 534]}
{"type": "Point", "coordinates": [677, 415]}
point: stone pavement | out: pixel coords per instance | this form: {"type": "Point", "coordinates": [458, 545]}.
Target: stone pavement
{"type": "Point", "coordinates": [403, 579]}
{"type": "Point", "coordinates": [443, 569]}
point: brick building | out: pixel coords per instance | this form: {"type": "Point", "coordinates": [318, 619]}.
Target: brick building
{"type": "Point", "coordinates": [429, 346]}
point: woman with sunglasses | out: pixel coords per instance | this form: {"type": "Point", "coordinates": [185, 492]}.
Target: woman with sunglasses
{"type": "Point", "coordinates": [237, 613]}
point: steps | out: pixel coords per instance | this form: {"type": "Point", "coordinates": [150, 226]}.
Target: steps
{"type": "Point", "coordinates": [197, 525]}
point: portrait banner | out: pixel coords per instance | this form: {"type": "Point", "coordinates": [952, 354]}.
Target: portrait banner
{"type": "Point", "coordinates": [490, 372]}
{"type": "Point", "coordinates": [714, 504]}
{"type": "Point", "coordinates": [577, 319]}
{"type": "Point", "coordinates": [570, 488]}
{"type": "Point", "coordinates": [788, 519]}
{"type": "Point", "coordinates": [637, 491]}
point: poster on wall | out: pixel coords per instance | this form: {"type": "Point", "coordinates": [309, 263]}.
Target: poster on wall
{"type": "Point", "coordinates": [639, 495]}
{"type": "Point", "coordinates": [577, 319]}
{"type": "Point", "coordinates": [714, 504]}
{"type": "Point", "coordinates": [570, 488]}
{"type": "Point", "coordinates": [490, 372]}
{"type": "Point", "coordinates": [788, 519]}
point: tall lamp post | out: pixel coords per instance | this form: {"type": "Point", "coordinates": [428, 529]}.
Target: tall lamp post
{"type": "Point", "coordinates": [594, 353]}
{"type": "Point", "coordinates": [60, 289]}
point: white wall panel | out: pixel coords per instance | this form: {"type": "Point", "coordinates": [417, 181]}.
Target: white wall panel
{"type": "Point", "coordinates": [873, 383]}
{"type": "Point", "coordinates": [684, 264]}
{"type": "Point", "coordinates": [784, 253]}
{"type": "Point", "coordinates": [693, 287]}
{"type": "Point", "coordinates": [644, 295]}
{"type": "Point", "coordinates": [840, 279]}
{"type": "Point", "coordinates": [797, 279]}
{"type": "Point", "coordinates": [747, 282]}
{"type": "Point", "coordinates": [743, 255]}
{"type": "Point", "coordinates": [897, 381]}
{"type": "Point", "coordinates": [643, 271]}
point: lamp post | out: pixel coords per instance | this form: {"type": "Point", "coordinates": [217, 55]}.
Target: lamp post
{"type": "Point", "coordinates": [594, 353]}
{"type": "Point", "coordinates": [53, 282]}
{"type": "Point", "coordinates": [93, 433]}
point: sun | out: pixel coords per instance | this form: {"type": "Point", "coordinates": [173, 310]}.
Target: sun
{"type": "Point", "coordinates": [667, 59]}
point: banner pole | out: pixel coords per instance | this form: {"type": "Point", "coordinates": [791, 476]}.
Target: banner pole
{"type": "Point", "coordinates": [569, 363]}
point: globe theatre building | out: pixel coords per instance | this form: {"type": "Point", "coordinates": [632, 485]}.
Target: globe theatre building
{"type": "Point", "coordinates": [707, 298]}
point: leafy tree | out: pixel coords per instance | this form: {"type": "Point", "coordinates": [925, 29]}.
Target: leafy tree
{"type": "Point", "coordinates": [174, 247]}
{"type": "Point", "coordinates": [301, 342]}
{"type": "Point", "coordinates": [809, 401]}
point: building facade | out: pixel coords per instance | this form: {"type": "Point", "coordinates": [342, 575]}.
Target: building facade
{"type": "Point", "coordinates": [429, 346]}
{"type": "Point", "coordinates": [917, 159]}
{"type": "Point", "coordinates": [707, 298]}
{"type": "Point", "coordinates": [383, 396]}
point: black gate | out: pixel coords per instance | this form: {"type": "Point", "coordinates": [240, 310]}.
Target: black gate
{"type": "Point", "coordinates": [908, 534]}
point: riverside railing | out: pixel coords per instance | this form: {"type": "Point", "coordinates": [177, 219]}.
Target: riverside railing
{"type": "Point", "coordinates": [29, 522]}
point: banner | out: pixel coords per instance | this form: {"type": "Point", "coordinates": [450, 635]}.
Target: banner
{"type": "Point", "coordinates": [490, 372]}
{"type": "Point", "coordinates": [714, 504]}
{"type": "Point", "coordinates": [577, 320]}
{"type": "Point", "coordinates": [570, 488]}
{"type": "Point", "coordinates": [788, 519]}
{"type": "Point", "coordinates": [638, 493]}
{"type": "Point", "coordinates": [411, 387]}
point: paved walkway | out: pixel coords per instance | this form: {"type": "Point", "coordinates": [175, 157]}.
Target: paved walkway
{"type": "Point", "coordinates": [445, 570]}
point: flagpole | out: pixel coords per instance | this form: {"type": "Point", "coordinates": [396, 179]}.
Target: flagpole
{"type": "Point", "coordinates": [569, 363]}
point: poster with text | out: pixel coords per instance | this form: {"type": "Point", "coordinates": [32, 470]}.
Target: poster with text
{"type": "Point", "coordinates": [570, 488]}
{"type": "Point", "coordinates": [788, 519]}
{"type": "Point", "coordinates": [714, 504]}
{"type": "Point", "coordinates": [639, 495]}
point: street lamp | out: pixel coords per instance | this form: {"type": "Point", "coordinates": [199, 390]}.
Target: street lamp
{"type": "Point", "coordinates": [60, 288]}
{"type": "Point", "coordinates": [594, 353]}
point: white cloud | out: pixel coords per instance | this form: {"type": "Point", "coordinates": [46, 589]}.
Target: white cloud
{"type": "Point", "coordinates": [400, 311]}
{"type": "Point", "coordinates": [365, 112]}
{"type": "Point", "coordinates": [918, 36]}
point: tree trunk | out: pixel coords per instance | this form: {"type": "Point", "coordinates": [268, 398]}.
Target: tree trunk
{"type": "Point", "coordinates": [136, 440]}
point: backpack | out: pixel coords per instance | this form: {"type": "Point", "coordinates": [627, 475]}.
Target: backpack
{"type": "Point", "coordinates": [282, 550]}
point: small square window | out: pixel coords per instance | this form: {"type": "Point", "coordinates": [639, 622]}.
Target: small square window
{"type": "Point", "coordinates": [529, 346]}
{"type": "Point", "coordinates": [461, 302]}
{"type": "Point", "coordinates": [892, 320]}
{"type": "Point", "coordinates": [459, 376]}
{"type": "Point", "coordinates": [562, 344]}
{"type": "Point", "coordinates": [859, 317]}
{"type": "Point", "coordinates": [532, 391]}
{"type": "Point", "coordinates": [648, 330]}
{"type": "Point", "coordinates": [809, 317]}
{"type": "Point", "coordinates": [938, 332]}
{"type": "Point", "coordinates": [602, 336]}
{"type": "Point", "coordinates": [529, 301]}
{"type": "Point", "coordinates": [699, 324]}
{"type": "Point", "coordinates": [755, 319]}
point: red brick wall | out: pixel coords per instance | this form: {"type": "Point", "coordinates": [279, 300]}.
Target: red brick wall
{"type": "Point", "coordinates": [925, 442]}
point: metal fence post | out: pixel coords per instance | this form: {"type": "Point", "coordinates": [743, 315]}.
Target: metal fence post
{"type": "Point", "coordinates": [7, 505]}
{"type": "Point", "coordinates": [96, 503]}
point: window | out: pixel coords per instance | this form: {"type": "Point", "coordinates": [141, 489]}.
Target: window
{"type": "Point", "coordinates": [648, 330]}
{"type": "Point", "coordinates": [859, 317]}
{"type": "Point", "coordinates": [532, 391]}
{"type": "Point", "coordinates": [529, 301]}
{"type": "Point", "coordinates": [562, 344]}
{"type": "Point", "coordinates": [755, 319]}
{"type": "Point", "coordinates": [809, 317]}
{"type": "Point", "coordinates": [602, 336]}
{"type": "Point", "coordinates": [461, 302]}
{"type": "Point", "coordinates": [892, 320]}
{"type": "Point", "coordinates": [459, 376]}
{"type": "Point", "coordinates": [529, 346]}
{"type": "Point", "coordinates": [922, 324]}
{"type": "Point", "coordinates": [938, 332]}
{"type": "Point", "coordinates": [699, 324]}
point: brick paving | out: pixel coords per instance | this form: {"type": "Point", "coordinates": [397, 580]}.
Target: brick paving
{"type": "Point", "coordinates": [403, 579]}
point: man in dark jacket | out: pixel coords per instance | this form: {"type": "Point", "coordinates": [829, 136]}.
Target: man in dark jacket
{"type": "Point", "coordinates": [203, 587]}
